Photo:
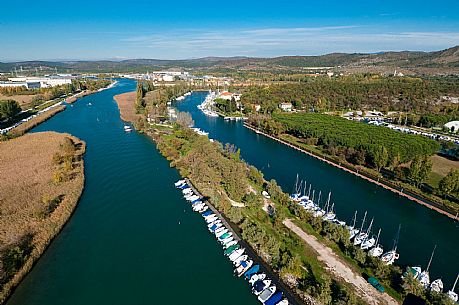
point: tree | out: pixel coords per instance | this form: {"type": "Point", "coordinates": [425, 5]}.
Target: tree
{"type": "Point", "coordinates": [380, 157]}
{"type": "Point", "coordinates": [450, 183]}
{"type": "Point", "coordinates": [8, 109]}
{"type": "Point", "coordinates": [184, 119]}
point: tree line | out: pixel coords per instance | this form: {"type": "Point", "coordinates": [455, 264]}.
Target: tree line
{"type": "Point", "coordinates": [355, 92]}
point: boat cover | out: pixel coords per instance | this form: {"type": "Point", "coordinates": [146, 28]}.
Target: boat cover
{"type": "Point", "coordinates": [254, 269]}
{"type": "Point", "coordinates": [274, 299]}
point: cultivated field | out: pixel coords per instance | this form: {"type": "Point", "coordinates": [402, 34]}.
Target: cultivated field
{"type": "Point", "coordinates": [41, 180]}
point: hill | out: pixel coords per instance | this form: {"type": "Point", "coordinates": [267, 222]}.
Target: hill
{"type": "Point", "coordinates": [448, 58]}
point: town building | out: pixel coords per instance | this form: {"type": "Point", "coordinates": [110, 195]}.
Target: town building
{"type": "Point", "coordinates": [286, 106]}
{"type": "Point", "coordinates": [452, 126]}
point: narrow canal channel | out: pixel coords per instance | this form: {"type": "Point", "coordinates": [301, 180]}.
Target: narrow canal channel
{"type": "Point", "coordinates": [133, 239]}
{"type": "Point", "coordinates": [422, 228]}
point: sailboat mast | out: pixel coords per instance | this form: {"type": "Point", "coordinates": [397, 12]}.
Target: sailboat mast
{"type": "Point", "coordinates": [309, 191]}
{"type": "Point", "coordinates": [355, 219]}
{"type": "Point", "coordinates": [455, 282]}
{"type": "Point", "coordinates": [363, 221]}
{"type": "Point", "coordinates": [369, 227]}
{"type": "Point", "coordinates": [320, 195]}
{"type": "Point", "coordinates": [397, 237]}
{"type": "Point", "coordinates": [431, 257]}
{"type": "Point", "coordinates": [377, 238]}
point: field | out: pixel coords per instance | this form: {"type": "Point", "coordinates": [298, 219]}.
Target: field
{"type": "Point", "coordinates": [441, 166]}
{"type": "Point", "coordinates": [42, 178]}
{"type": "Point", "coordinates": [22, 99]}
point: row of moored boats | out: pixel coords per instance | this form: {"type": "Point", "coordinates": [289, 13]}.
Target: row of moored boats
{"type": "Point", "coordinates": [207, 105]}
{"type": "Point", "coordinates": [361, 236]}
{"type": "Point", "coordinates": [244, 266]}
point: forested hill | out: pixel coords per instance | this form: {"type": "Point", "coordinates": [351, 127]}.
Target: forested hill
{"type": "Point", "coordinates": [448, 58]}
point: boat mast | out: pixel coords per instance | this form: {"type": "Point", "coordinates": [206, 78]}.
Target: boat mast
{"type": "Point", "coordinates": [296, 184]}
{"type": "Point", "coordinates": [313, 193]}
{"type": "Point", "coordinates": [369, 227]}
{"type": "Point", "coordinates": [455, 282]}
{"type": "Point", "coordinates": [431, 257]}
{"type": "Point", "coordinates": [396, 238]}
{"type": "Point", "coordinates": [305, 186]}
{"type": "Point", "coordinates": [377, 238]}
{"type": "Point", "coordinates": [309, 191]}
{"type": "Point", "coordinates": [355, 219]}
{"type": "Point", "coordinates": [363, 221]}
{"type": "Point", "coordinates": [318, 201]}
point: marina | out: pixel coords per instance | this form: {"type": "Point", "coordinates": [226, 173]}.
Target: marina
{"type": "Point", "coordinates": [355, 194]}
{"type": "Point", "coordinates": [247, 263]}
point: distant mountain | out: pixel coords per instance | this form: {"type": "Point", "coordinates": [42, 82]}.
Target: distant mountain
{"type": "Point", "coordinates": [448, 58]}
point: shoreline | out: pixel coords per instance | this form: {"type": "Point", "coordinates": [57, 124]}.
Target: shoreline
{"type": "Point", "coordinates": [65, 212]}
{"type": "Point", "coordinates": [379, 183]}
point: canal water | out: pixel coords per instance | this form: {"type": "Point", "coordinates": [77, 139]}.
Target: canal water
{"type": "Point", "coordinates": [421, 228]}
{"type": "Point", "coordinates": [132, 239]}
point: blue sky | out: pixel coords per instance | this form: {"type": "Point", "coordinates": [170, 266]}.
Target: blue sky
{"type": "Point", "coordinates": [51, 30]}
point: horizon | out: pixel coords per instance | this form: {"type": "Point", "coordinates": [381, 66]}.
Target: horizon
{"type": "Point", "coordinates": [64, 60]}
{"type": "Point", "coordinates": [116, 31]}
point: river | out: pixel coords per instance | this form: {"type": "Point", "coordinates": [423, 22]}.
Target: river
{"type": "Point", "coordinates": [132, 239]}
{"type": "Point", "coordinates": [421, 228]}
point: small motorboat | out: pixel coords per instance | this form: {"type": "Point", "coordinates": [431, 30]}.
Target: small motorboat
{"type": "Point", "coordinates": [180, 182]}
{"type": "Point", "coordinates": [240, 259]}
{"type": "Point", "coordinates": [283, 302]}
{"type": "Point", "coordinates": [261, 285]}
{"type": "Point", "coordinates": [437, 286]}
{"type": "Point", "coordinates": [230, 244]}
{"type": "Point", "coordinates": [231, 249]}
{"type": "Point", "coordinates": [267, 293]}
{"type": "Point", "coordinates": [243, 267]}
{"type": "Point", "coordinates": [253, 270]}
{"type": "Point", "coordinates": [274, 299]}
{"type": "Point", "coordinates": [227, 240]}
{"type": "Point", "coordinates": [224, 236]}
{"type": "Point", "coordinates": [257, 277]}
{"type": "Point", "coordinates": [389, 258]}
{"type": "Point", "coordinates": [235, 254]}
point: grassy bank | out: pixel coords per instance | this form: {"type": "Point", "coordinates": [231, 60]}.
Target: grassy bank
{"type": "Point", "coordinates": [26, 126]}
{"type": "Point", "coordinates": [42, 180]}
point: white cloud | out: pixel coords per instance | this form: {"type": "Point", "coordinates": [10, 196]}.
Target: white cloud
{"type": "Point", "coordinates": [284, 41]}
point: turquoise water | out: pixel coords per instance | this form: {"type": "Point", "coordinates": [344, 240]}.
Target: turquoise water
{"type": "Point", "coordinates": [422, 228]}
{"type": "Point", "coordinates": [133, 239]}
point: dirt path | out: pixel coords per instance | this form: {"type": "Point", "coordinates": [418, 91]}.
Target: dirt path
{"type": "Point", "coordinates": [341, 270]}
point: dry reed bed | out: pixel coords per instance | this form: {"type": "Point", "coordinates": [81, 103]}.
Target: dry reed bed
{"type": "Point", "coordinates": [26, 183]}
{"type": "Point", "coordinates": [126, 104]}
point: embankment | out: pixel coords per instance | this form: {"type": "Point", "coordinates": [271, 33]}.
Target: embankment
{"type": "Point", "coordinates": [41, 181]}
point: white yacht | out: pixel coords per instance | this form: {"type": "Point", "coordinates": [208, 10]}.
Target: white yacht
{"type": "Point", "coordinates": [378, 250]}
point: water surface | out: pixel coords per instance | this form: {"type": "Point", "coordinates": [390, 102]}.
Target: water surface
{"type": "Point", "coordinates": [132, 239]}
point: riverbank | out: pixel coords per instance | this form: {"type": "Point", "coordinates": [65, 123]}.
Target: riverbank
{"type": "Point", "coordinates": [42, 181]}
{"type": "Point", "coordinates": [385, 184]}
{"type": "Point", "coordinates": [26, 126]}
